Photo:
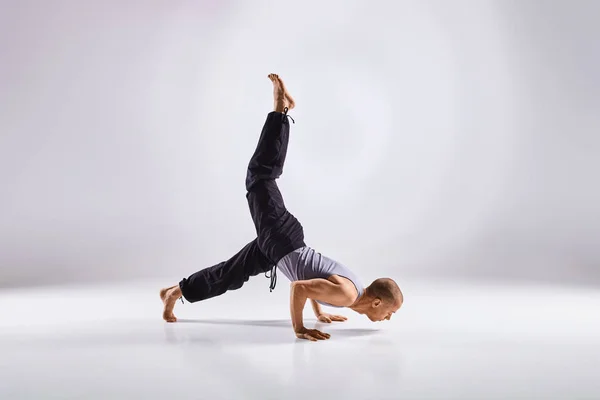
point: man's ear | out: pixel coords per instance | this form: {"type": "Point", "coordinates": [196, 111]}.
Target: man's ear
{"type": "Point", "coordinates": [376, 302]}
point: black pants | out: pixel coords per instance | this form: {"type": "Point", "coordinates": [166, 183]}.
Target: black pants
{"type": "Point", "coordinates": [278, 231]}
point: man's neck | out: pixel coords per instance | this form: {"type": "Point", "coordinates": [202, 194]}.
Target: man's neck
{"type": "Point", "coordinates": [361, 304]}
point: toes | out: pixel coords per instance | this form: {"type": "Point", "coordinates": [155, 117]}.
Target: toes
{"type": "Point", "coordinates": [170, 318]}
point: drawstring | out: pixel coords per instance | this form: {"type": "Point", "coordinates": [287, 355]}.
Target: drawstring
{"type": "Point", "coordinates": [285, 112]}
{"type": "Point", "coordinates": [181, 298]}
{"type": "Point", "coordinates": [273, 278]}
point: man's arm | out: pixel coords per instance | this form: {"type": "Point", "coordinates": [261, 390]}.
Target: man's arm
{"type": "Point", "coordinates": [316, 308]}
{"type": "Point", "coordinates": [325, 317]}
{"type": "Point", "coordinates": [316, 289]}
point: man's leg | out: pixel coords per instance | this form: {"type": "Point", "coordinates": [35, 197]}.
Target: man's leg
{"type": "Point", "coordinates": [216, 280]}
{"type": "Point", "coordinates": [279, 232]}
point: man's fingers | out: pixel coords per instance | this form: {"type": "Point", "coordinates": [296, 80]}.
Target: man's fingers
{"type": "Point", "coordinates": [313, 335]}
{"type": "Point", "coordinates": [319, 335]}
{"type": "Point", "coordinates": [324, 335]}
{"type": "Point", "coordinates": [324, 318]}
{"type": "Point", "coordinates": [338, 318]}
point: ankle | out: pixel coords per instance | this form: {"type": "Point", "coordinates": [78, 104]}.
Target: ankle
{"type": "Point", "coordinates": [280, 106]}
{"type": "Point", "coordinates": [174, 293]}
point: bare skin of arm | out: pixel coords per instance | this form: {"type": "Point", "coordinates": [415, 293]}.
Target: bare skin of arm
{"type": "Point", "coordinates": [316, 308]}
{"type": "Point", "coordinates": [323, 316]}
{"type": "Point", "coordinates": [335, 291]}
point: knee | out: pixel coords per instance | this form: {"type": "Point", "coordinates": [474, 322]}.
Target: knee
{"type": "Point", "coordinates": [255, 175]}
{"type": "Point", "coordinates": [238, 282]}
{"type": "Point", "coordinates": [249, 181]}
{"type": "Point", "coordinates": [259, 184]}
{"type": "Point", "coordinates": [252, 178]}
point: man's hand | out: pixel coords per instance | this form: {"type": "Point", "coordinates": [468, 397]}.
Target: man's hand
{"type": "Point", "coordinates": [327, 318]}
{"type": "Point", "coordinates": [311, 334]}
{"type": "Point", "coordinates": [318, 289]}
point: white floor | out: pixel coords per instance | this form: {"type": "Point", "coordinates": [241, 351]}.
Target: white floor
{"type": "Point", "coordinates": [449, 341]}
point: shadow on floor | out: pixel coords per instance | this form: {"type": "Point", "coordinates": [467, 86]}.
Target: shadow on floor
{"type": "Point", "coordinates": [269, 323]}
{"type": "Point", "coordinates": [257, 332]}
{"type": "Point", "coordinates": [286, 323]}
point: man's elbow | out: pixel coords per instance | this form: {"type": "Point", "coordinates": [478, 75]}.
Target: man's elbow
{"type": "Point", "coordinates": [297, 288]}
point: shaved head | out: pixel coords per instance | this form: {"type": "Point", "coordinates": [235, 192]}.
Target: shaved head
{"type": "Point", "coordinates": [387, 290]}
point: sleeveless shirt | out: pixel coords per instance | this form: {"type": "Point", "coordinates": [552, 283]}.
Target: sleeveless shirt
{"type": "Point", "coordinates": [306, 263]}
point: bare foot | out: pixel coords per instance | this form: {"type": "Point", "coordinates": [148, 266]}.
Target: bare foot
{"type": "Point", "coordinates": [169, 297]}
{"type": "Point", "coordinates": [281, 96]}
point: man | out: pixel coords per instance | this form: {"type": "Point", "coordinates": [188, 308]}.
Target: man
{"type": "Point", "coordinates": [280, 245]}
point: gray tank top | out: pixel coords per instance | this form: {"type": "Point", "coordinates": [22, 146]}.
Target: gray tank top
{"type": "Point", "coordinates": [306, 263]}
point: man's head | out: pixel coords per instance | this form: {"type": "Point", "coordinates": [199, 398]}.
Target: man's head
{"type": "Point", "coordinates": [382, 299]}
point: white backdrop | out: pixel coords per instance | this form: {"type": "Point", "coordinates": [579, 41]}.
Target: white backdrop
{"type": "Point", "coordinates": [432, 138]}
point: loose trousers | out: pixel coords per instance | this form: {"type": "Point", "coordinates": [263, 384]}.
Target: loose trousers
{"type": "Point", "coordinates": [278, 231]}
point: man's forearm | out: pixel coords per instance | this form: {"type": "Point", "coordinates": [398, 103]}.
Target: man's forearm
{"type": "Point", "coordinates": [316, 308]}
{"type": "Point", "coordinates": [298, 299]}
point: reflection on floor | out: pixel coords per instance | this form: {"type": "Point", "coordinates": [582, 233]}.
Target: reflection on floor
{"type": "Point", "coordinates": [449, 341]}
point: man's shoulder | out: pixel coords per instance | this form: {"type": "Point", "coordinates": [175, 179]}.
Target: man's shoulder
{"type": "Point", "coordinates": [346, 285]}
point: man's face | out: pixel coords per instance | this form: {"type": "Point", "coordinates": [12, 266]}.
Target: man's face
{"type": "Point", "coordinates": [381, 311]}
